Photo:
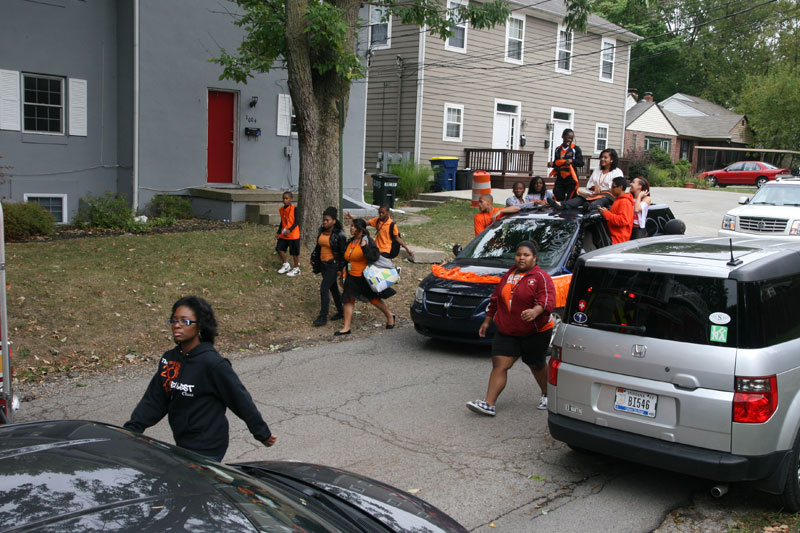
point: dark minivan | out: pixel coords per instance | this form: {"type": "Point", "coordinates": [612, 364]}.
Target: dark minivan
{"type": "Point", "coordinates": [450, 303]}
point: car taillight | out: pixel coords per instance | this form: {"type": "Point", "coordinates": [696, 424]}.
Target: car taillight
{"type": "Point", "coordinates": [754, 399]}
{"type": "Point", "coordinates": [552, 366]}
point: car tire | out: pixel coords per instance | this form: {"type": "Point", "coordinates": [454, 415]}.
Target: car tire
{"type": "Point", "coordinates": [790, 497]}
{"type": "Point", "coordinates": [712, 181]}
{"type": "Point", "coordinates": [761, 180]}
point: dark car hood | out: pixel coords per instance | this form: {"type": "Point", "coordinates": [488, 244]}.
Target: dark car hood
{"type": "Point", "coordinates": [396, 509]}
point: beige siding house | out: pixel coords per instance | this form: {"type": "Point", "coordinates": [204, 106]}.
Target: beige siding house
{"type": "Point", "coordinates": [513, 88]}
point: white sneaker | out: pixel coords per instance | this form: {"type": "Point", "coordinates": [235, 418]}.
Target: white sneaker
{"type": "Point", "coordinates": [542, 403]}
{"type": "Point", "coordinates": [285, 268]}
{"type": "Point", "coordinates": [293, 272]}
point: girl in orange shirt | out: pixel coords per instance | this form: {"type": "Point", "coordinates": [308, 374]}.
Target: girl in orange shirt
{"type": "Point", "coordinates": [360, 250]}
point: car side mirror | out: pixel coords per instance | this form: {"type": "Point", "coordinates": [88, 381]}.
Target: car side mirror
{"type": "Point", "coordinates": [457, 249]}
{"type": "Point", "coordinates": [744, 200]}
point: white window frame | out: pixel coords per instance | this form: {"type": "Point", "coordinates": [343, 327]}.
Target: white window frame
{"type": "Point", "coordinates": [597, 127]}
{"type": "Point", "coordinates": [447, 46]}
{"type": "Point", "coordinates": [508, 59]}
{"type": "Point", "coordinates": [376, 14]}
{"type": "Point", "coordinates": [607, 44]}
{"type": "Point", "coordinates": [559, 48]}
{"type": "Point", "coordinates": [287, 126]}
{"type": "Point", "coordinates": [649, 142]}
{"type": "Point", "coordinates": [63, 104]}
{"type": "Point", "coordinates": [64, 212]}
{"type": "Point", "coordinates": [445, 137]}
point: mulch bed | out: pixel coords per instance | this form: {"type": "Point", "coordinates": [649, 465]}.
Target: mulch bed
{"type": "Point", "coordinates": [180, 226]}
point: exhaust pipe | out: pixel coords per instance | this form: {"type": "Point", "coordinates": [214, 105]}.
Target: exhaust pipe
{"type": "Point", "coordinates": [718, 491]}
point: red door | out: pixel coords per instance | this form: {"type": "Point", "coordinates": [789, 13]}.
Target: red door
{"type": "Point", "coordinates": [220, 136]}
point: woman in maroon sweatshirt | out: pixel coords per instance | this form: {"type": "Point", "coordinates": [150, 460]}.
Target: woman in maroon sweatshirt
{"type": "Point", "coordinates": [521, 307]}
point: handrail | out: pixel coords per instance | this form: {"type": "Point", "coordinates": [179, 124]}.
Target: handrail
{"type": "Point", "coordinates": [500, 160]}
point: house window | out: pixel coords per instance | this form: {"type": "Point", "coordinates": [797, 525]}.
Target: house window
{"type": "Point", "coordinates": [564, 51]}
{"type": "Point", "coordinates": [287, 120]}
{"type": "Point", "coordinates": [380, 27]}
{"type": "Point", "coordinates": [635, 138]}
{"type": "Point", "coordinates": [649, 142]}
{"type": "Point", "coordinates": [55, 204]}
{"type": "Point", "coordinates": [458, 41]}
{"type": "Point", "coordinates": [600, 137]}
{"type": "Point", "coordinates": [453, 122]}
{"type": "Point", "coordinates": [607, 52]}
{"type": "Point", "coordinates": [42, 104]}
{"type": "Point", "coordinates": [515, 36]}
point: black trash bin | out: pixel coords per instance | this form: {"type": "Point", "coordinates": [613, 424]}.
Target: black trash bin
{"type": "Point", "coordinates": [464, 179]}
{"type": "Point", "coordinates": [384, 189]}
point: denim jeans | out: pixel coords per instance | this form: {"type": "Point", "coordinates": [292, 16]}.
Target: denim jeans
{"type": "Point", "coordinates": [329, 285]}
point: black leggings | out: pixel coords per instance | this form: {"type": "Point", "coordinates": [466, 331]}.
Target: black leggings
{"type": "Point", "coordinates": [328, 287]}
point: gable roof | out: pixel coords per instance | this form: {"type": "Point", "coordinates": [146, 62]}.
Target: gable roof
{"type": "Point", "coordinates": [556, 10]}
{"type": "Point", "coordinates": [692, 116]}
{"type": "Point", "coordinates": [637, 111]}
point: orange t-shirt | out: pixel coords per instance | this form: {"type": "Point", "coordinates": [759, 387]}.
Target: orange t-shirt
{"type": "Point", "coordinates": [325, 251]}
{"type": "Point", "coordinates": [354, 255]}
{"type": "Point", "coordinates": [482, 220]}
{"type": "Point", "coordinates": [382, 237]}
{"type": "Point", "coordinates": [287, 221]}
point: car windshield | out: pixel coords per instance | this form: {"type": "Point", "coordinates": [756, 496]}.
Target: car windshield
{"type": "Point", "coordinates": [552, 235]}
{"type": "Point", "coordinates": [777, 195]}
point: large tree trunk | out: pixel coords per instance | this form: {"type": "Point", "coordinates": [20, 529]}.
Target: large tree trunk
{"type": "Point", "coordinates": [316, 99]}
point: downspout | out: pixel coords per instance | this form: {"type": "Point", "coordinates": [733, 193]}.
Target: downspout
{"type": "Point", "coordinates": [420, 92]}
{"type": "Point", "coordinates": [399, 61]}
{"type": "Point", "coordinates": [135, 183]}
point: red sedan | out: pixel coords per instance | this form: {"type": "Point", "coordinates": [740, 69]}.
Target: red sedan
{"type": "Point", "coordinates": [743, 173]}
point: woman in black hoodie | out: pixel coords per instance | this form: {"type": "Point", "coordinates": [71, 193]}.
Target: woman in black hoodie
{"type": "Point", "coordinates": [328, 259]}
{"type": "Point", "coordinates": [194, 385]}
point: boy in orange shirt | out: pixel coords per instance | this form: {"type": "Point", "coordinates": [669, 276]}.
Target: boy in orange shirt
{"type": "Point", "coordinates": [485, 211]}
{"type": "Point", "coordinates": [288, 237]}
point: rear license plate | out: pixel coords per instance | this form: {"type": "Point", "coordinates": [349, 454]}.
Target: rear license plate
{"type": "Point", "coordinates": [638, 403]}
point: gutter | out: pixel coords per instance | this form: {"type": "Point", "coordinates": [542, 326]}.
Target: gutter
{"type": "Point", "coordinates": [420, 92]}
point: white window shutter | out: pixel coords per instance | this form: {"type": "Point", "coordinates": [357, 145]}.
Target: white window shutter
{"type": "Point", "coordinates": [77, 107]}
{"type": "Point", "coordinates": [284, 115]}
{"type": "Point", "coordinates": [9, 100]}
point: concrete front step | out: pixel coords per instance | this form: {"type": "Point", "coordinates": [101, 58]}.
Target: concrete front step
{"type": "Point", "coordinates": [425, 203]}
{"type": "Point", "coordinates": [423, 255]}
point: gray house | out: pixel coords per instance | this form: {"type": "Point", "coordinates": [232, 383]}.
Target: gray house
{"type": "Point", "coordinates": [498, 99]}
{"type": "Point", "coordinates": [120, 96]}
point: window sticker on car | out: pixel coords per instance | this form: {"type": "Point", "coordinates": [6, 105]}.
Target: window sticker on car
{"type": "Point", "coordinates": [581, 305]}
{"type": "Point", "coordinates": [579, 318]}
{"type": "Point", "coordinates": [719, 334]}
{"type": "Point", "coordinates": [719, 318]}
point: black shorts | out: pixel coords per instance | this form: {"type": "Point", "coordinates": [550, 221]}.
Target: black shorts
{"type": "Point", "coordinates": [533, 348]}
{"type": "Point", "coordinates": [292, 244]}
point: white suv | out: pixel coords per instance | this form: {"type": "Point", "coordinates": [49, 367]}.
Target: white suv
{"type": "Point", "coordinates": [774, 211]}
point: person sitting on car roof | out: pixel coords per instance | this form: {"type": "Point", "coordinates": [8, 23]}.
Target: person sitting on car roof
{"type": "Point", "coordinates": [620, 216]}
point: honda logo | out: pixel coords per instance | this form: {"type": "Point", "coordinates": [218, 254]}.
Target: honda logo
{"type": "Point", "coordinates": [638, 350]}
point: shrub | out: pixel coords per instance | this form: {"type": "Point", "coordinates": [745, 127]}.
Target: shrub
{"type": "Point", "coordinates": [680, 170]}
{"type": "Point", "coordinates": [414, 179]}
{"type": "Point", "coordinates": [108, 211]}
{"type": "Point", "coordinates": [658, 177]}
{"type": "Point", "coordinates": [171, 206]}
{"type": "Point", "coordinates": [660, 158]}
{"type": "Point", "coordinates": [25, 220]}
{"type": "Point", "coordinates": [638, 165]}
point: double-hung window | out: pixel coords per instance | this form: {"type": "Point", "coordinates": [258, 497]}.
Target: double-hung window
{"type": "Point", "coordinates": [607, 54]}
{"type": "Point", "coordinates": [380, 28]}
{"type": "Point", "coordinates": [564, 50]}
{"type": "Point", "coordinates": [453, 123]}
{"type": "Point", "coordinates": [515, 37]}
{"type": "Point", "coordinates": [457, 42]}
{"type": "Point", "coordinates": [600, 137]}
{"type": "Point", "coordinates": [42, 104]}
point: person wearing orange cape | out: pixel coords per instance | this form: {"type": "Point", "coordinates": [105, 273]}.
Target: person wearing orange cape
{"type": "Point", "coordinates": [568, 156]}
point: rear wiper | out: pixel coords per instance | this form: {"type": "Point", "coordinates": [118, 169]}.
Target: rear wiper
{"type": "Point", "coordinates": [607, 325]}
